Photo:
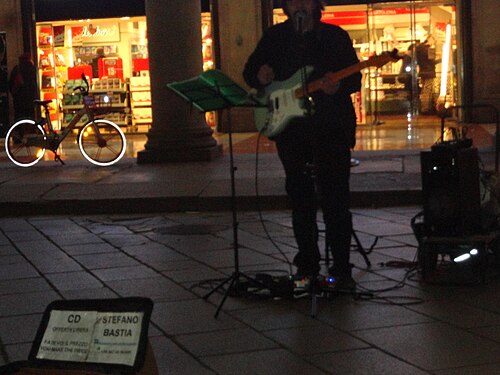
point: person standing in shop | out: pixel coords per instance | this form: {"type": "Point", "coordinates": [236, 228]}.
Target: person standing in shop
{"type": "Point", "coordinates": [23, 87]}
{"type": "Point", "coordinates": [406, 72]}
{"type": "Point", "coordinates": [427, 62]}
{"type": "Point", "coordinates": [95, 62]}
{"type": "Point", "coordinates": [315, 150]}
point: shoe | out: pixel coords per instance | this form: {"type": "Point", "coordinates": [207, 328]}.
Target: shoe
{"type": "Point", "coordinates": [342, 283]}
{"type": "Point", "coordinates": [340, 272]}
{"type": "Point", "coordinates": [307, 272]}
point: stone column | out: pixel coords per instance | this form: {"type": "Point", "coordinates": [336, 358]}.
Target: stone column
{"type": "Point", "coordinates": [179, 132]}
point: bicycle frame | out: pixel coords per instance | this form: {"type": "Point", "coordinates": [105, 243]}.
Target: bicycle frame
{"type": "Point", "coordinates": [52, 144]}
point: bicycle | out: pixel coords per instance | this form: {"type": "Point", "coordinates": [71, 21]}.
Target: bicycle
{"type": "Point", "coordinates": [100, 141]}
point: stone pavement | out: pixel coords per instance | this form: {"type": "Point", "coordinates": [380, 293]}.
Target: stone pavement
{"type": "Point", "coordinates": [405, 326]}
{"type": "Point", "coordinates": [165, 232]}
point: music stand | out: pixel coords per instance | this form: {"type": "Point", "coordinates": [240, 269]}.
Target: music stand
{"type": "Point", "coordinates": [213, 90]}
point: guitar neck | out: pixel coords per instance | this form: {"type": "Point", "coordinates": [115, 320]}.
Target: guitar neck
{"type": "Point", "coordinates": [333, 77]}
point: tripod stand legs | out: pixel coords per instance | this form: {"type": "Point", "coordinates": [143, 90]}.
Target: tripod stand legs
{"type": "Point", "coordinates": [234, 286]}
{"type": "Point", "coordinates": [361, 249]}
{"type": "Point", "coordinates": [230, 279]}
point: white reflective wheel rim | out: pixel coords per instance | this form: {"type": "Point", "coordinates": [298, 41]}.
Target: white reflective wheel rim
{"type": "Point", "coordinates": [11, 157]}
{"type": "Point", "coordinates": [103, 164]}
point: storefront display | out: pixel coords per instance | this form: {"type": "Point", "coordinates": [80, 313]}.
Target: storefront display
{"type": "Point", "coordinates": [208, 60]}
{"type": "Point", "coordinates": [65, 52]}
{"type": "Point", "coordinates": [66, 49]}
{"type": "Point", "coordinates": [113, 54]}
{"type": "Point", "coordinates": [52, 69]}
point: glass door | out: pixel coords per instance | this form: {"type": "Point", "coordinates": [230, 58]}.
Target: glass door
{"type": "Point", "coordinates": [424, 33]}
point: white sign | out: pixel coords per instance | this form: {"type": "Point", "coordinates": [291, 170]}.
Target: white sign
{"type": "Point", "coordinates": [100, 33]}
{"type": "Point", "coordinates": [92, 336]}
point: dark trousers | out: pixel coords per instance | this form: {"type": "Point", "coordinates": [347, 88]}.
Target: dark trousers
{"type": "Point", "coordinates": [317, 172]}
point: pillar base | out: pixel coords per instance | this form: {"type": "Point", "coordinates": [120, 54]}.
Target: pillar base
{"type": "Point", "coordinates": [180, 143]}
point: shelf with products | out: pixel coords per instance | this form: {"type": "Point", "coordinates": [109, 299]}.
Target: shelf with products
{"type": "Point", "coordinates": [385, 93]}
{"type": "Point", "coordinates": [382, 86]}
{"type": "Point", "coordinates": [140, 98]}
{"type": "Point", "coordinates": [119, 118]}
{"type": "Point", "coordinates": [52, 70]}
{"type": "Point", "coordinates": [115, 91]}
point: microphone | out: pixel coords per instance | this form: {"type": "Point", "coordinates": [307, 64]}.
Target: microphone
{"type": "Point", "coordinates": [299, 21]}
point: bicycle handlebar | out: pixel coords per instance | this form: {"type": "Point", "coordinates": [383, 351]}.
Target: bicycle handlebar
{"type": "Point", "coordinates": [84, 78]}
{"type": "Point", "coordinates": [83, 90]}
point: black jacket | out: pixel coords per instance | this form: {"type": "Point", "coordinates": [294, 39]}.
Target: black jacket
{"type": "Point", "coordinates": [23, 87]}
{"type": "Point", "coordinates": [426, 64]}
{"type": "Point", "coordinates": [328, 49]}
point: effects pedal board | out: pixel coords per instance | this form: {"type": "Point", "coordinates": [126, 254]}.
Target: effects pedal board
{"type": "Point", "coordinates": [326, 283]}
{"type": "Point", "coordinates": [288, 287]}
{"type": "Point", "coordinates": [278, 286]}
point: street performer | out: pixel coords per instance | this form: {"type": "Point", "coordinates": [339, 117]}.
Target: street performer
{"type": "Point", "coordinates": [315, 148]}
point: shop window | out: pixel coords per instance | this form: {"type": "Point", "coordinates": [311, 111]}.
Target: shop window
{"type": "Point", "coordinates": [377, 28]}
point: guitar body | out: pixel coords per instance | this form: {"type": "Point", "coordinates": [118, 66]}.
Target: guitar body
{"type": "Point", "coordinates": [280, 104]}
{"type": "Point", "coordinates": [284, 100]}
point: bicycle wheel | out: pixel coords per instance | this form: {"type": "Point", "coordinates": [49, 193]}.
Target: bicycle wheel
{"type": "Point", "coordinates": [18, 147]}
{"type": "Point", "coordinates": [105, 148]}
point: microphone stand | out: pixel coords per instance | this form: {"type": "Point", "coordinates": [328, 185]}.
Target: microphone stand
{"type": "Point", "coordinates": [312, 169]}
{"type": "Point", "coordinates": [308, 104]}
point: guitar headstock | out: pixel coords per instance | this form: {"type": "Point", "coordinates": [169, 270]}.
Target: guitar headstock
{"type": "Point", "coordinates": [384, 58]}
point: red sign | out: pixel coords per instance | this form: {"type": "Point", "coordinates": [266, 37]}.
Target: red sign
{"type": "Point", "coordinates": [345, 18]}
{"type": "Point", "coordinates": [361, 17]}
{"type": "Point", "coordinates": [398, 11]}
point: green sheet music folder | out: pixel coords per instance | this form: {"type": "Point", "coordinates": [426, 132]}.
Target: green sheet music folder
{"type": "Point", "coordinates": [210, 91]}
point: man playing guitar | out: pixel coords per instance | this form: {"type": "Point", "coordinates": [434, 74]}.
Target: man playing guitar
{"type": "Point", "coordinates": [315, 147]}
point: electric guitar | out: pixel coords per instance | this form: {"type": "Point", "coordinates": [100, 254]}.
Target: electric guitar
{"type": "Point", "coordinates": [284, 100]}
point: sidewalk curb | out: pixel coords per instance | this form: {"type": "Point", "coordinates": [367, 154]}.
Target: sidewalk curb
{"type": "Point", "coordinates": [365, 199]}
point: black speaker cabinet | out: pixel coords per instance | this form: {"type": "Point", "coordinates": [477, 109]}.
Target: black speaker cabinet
{"type": "Point", "coordinates": [450, 189]}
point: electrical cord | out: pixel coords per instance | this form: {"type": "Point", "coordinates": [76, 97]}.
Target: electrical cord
{"type": "Point", "coordinates": [281, 290]}
{"type": "Point", "coordinates": [209, 284]}
{"type": "Point", "coordinates": [412, 270]}
{"type": "Point", "coordinates": [259, 207]}
{"type": "Point", "coordinates": [391, 299]}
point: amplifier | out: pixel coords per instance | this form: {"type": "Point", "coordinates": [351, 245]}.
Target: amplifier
{"type": "Point", "coordinates": [450, 190]}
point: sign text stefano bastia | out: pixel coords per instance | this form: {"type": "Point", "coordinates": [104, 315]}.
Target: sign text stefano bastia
{"type": "Point", "coordinates": [92, 336]}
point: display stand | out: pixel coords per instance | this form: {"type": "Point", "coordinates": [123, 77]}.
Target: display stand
{"type": "Point", "coordinates": [212, 91]}
{"type": "Point", "coordinates": [376, 121]}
